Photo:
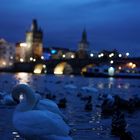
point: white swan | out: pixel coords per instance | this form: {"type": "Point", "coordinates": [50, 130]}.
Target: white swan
{"type": "Point", "coordinates": [40, 104]}
{"type": "Point", "coordinates": [70, 88]}
{"type": "Point", "coordinates": [89, 89]}
{"type": "Point", "coordinates": [32, 123]}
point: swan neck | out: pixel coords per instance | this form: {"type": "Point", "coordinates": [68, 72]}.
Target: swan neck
{"type": "Point", "coordinates": [30, 98]}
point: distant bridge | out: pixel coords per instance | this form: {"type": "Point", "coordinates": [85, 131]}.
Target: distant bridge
{"type": "Point", "coordinates": [67, 66]}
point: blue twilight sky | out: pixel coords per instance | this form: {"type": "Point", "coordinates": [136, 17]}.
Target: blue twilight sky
{"type": "Point", "coordinates": [110, 23]}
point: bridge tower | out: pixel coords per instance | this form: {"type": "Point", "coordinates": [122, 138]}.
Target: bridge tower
{"type": "Point", "coordinates": [83, 46]}
{"type": "Point", "coordinates": [34, 38]}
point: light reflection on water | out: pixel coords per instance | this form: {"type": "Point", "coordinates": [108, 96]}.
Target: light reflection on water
{"type": "Point", "coordinates": [23, 78]}
{"type": "Point", "coordinates": [84, 124]}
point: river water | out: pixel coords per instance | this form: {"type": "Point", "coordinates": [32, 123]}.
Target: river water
{"type": "Point", "coordinates": [85, 125]}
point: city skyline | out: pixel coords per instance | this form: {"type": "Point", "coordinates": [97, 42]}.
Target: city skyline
{"type": "Point", "coordinates": [112, 24]}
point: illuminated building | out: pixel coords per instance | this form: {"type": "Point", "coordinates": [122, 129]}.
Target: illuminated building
{"type": "Point", "coordinates": [20, 51]}
{"type": "Point", "coordinates": [83, 46]}
{"type": "Point", "coordinates": [59, 53]}
{"type": "Point", "coordinates": [34, 43]}
{"type": "Point", "coordinates": [7, 52]}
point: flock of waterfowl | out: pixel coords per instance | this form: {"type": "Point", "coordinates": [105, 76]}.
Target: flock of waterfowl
{"type": "Point", "coordinates": [37, 116]}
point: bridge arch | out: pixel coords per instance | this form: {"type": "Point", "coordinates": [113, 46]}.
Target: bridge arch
{"type": "Point", "coordinates": [84, 68]}
{"type": "Point", "coordinates": [63, 68]}
{"type": "Point", "coordinates": [40, 68]}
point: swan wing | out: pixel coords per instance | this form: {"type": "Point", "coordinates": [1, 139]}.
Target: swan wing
{"type": "Point", "coordinates": [40, 123]}
{"type": "Point", "coordinates": [47, 102]}
{"type": "Point", "coordinates": [50, 106]}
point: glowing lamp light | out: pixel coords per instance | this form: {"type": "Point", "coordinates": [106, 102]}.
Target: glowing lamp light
{"type": "Point", "coordinates": [53, 51]}
{"type": "Point", "coordinates": [72, 56]}
{"type": "Point", "coordinates": [42, 57]}
{"type": "Point", "coordinates": [11, 57]}
{"type": "Point", "coordinates": [133, 66]}
{"type": "Point", "coordinates": [31, 59]}
{"type": "Point", "coordinates": [111, 71]}
{"type": "Point", "coordinates": [34, 59]}
{"type": "Point", "coordinates": [14, 133]}
{"type": "Point", "coordinates": [59, 69]}
{"type": "Point", "coordinates": [119, 68]}
{"type": "Point", "coordinates": [37, 71]}
{"type": "Point", "coordinates": [91, 55]}
{"type": "Point", "coordinates": [101, 54]}
{"type": "Point", "coordinates": [23, 44]}
{"type": "Point", "coordinates": [44, 66]}
{"type": "Point", "coordinates": [58, 72]}
{"type": "Point", "coordinates": [4, 63]}
{"type": "Point", "coordinates": [63, 55]}
{"type": "Point", "coordinates": [21, 60]}
{"type": "Point", "coordinates": [130, 64]}
{"type": "Point", "coordinates": [120, 55]}
{"type": "Point", "coordinates": [111, 62]}
{"type": "Point", "coordinates": [111, 55]}
{"type": "Point", "coordinates": [127, 54]}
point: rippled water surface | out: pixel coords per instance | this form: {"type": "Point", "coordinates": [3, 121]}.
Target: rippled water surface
{"type": "Point", "coordinates": [85, 125]}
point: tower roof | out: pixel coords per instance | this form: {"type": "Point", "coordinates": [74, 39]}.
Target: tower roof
{"type": "Point", "coordinates": [34, 26]}
{"type": "Point", "coordinates": [84, 36]}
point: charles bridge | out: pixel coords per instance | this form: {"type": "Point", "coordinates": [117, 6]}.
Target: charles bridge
{"type": "Point", "coordinates": [76, 65]}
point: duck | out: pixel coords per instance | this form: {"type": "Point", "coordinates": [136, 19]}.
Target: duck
{"type": "Point", "coordinates": [62, 103]}
{"type": "Point", "coordinates": [88, 105]}
{"type": "Point", "coordinates": [32, 123]}
{"type": "Point", "coordinates": [41, 104]}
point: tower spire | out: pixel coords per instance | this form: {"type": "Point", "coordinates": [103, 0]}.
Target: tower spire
{"type": "Point", "coordinates": [84, 36]}
{"type": "Point", "coordinates": [34, 26]}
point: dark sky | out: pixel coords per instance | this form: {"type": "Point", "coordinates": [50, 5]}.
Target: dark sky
{"type": "Point", "coordinates": [110, 23]}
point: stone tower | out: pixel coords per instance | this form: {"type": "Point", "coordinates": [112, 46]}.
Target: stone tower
{"type": "Point", "coordinates": [83, 46]}
{"type": "Point", "coordinates": [34, 40]}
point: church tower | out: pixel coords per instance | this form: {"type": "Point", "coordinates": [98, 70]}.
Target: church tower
{"type": "Point", "coordinates": [34, 39]}
{"type": "Point", "coordinates": [83, 46]}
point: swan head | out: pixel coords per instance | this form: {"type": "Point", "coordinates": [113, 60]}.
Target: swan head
{"type": "Point", "coordinates": [24, 94]}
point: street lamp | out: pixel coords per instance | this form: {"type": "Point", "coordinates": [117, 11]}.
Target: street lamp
{"type": "Point", "coordinates": [111, 62]}
{"type": "Point", "coordinates": [120, 55]}
{"type": "Point", "coordinates": [63, 55]}
{"type": "Point", "coordinates": [91, 55]}
{"type": "Point", "coordinates": [127, 54]}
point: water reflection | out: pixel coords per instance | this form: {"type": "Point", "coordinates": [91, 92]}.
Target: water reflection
{"type": "Point", "coordinates": [85, 125]}
{"type": "Point", "coordinates": [23, 78]}
{"type": "Point", "coordinates": [110, 82]}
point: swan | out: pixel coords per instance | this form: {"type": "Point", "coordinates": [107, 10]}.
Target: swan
{"type": "Point", "coordinates": [32, 123]}
{"type": "Point", "coordinates": [39, 104]}
{"type": "Point", "coordinates": [89, 89]}
{"type": "Point", "coordinates": [70, 88]}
